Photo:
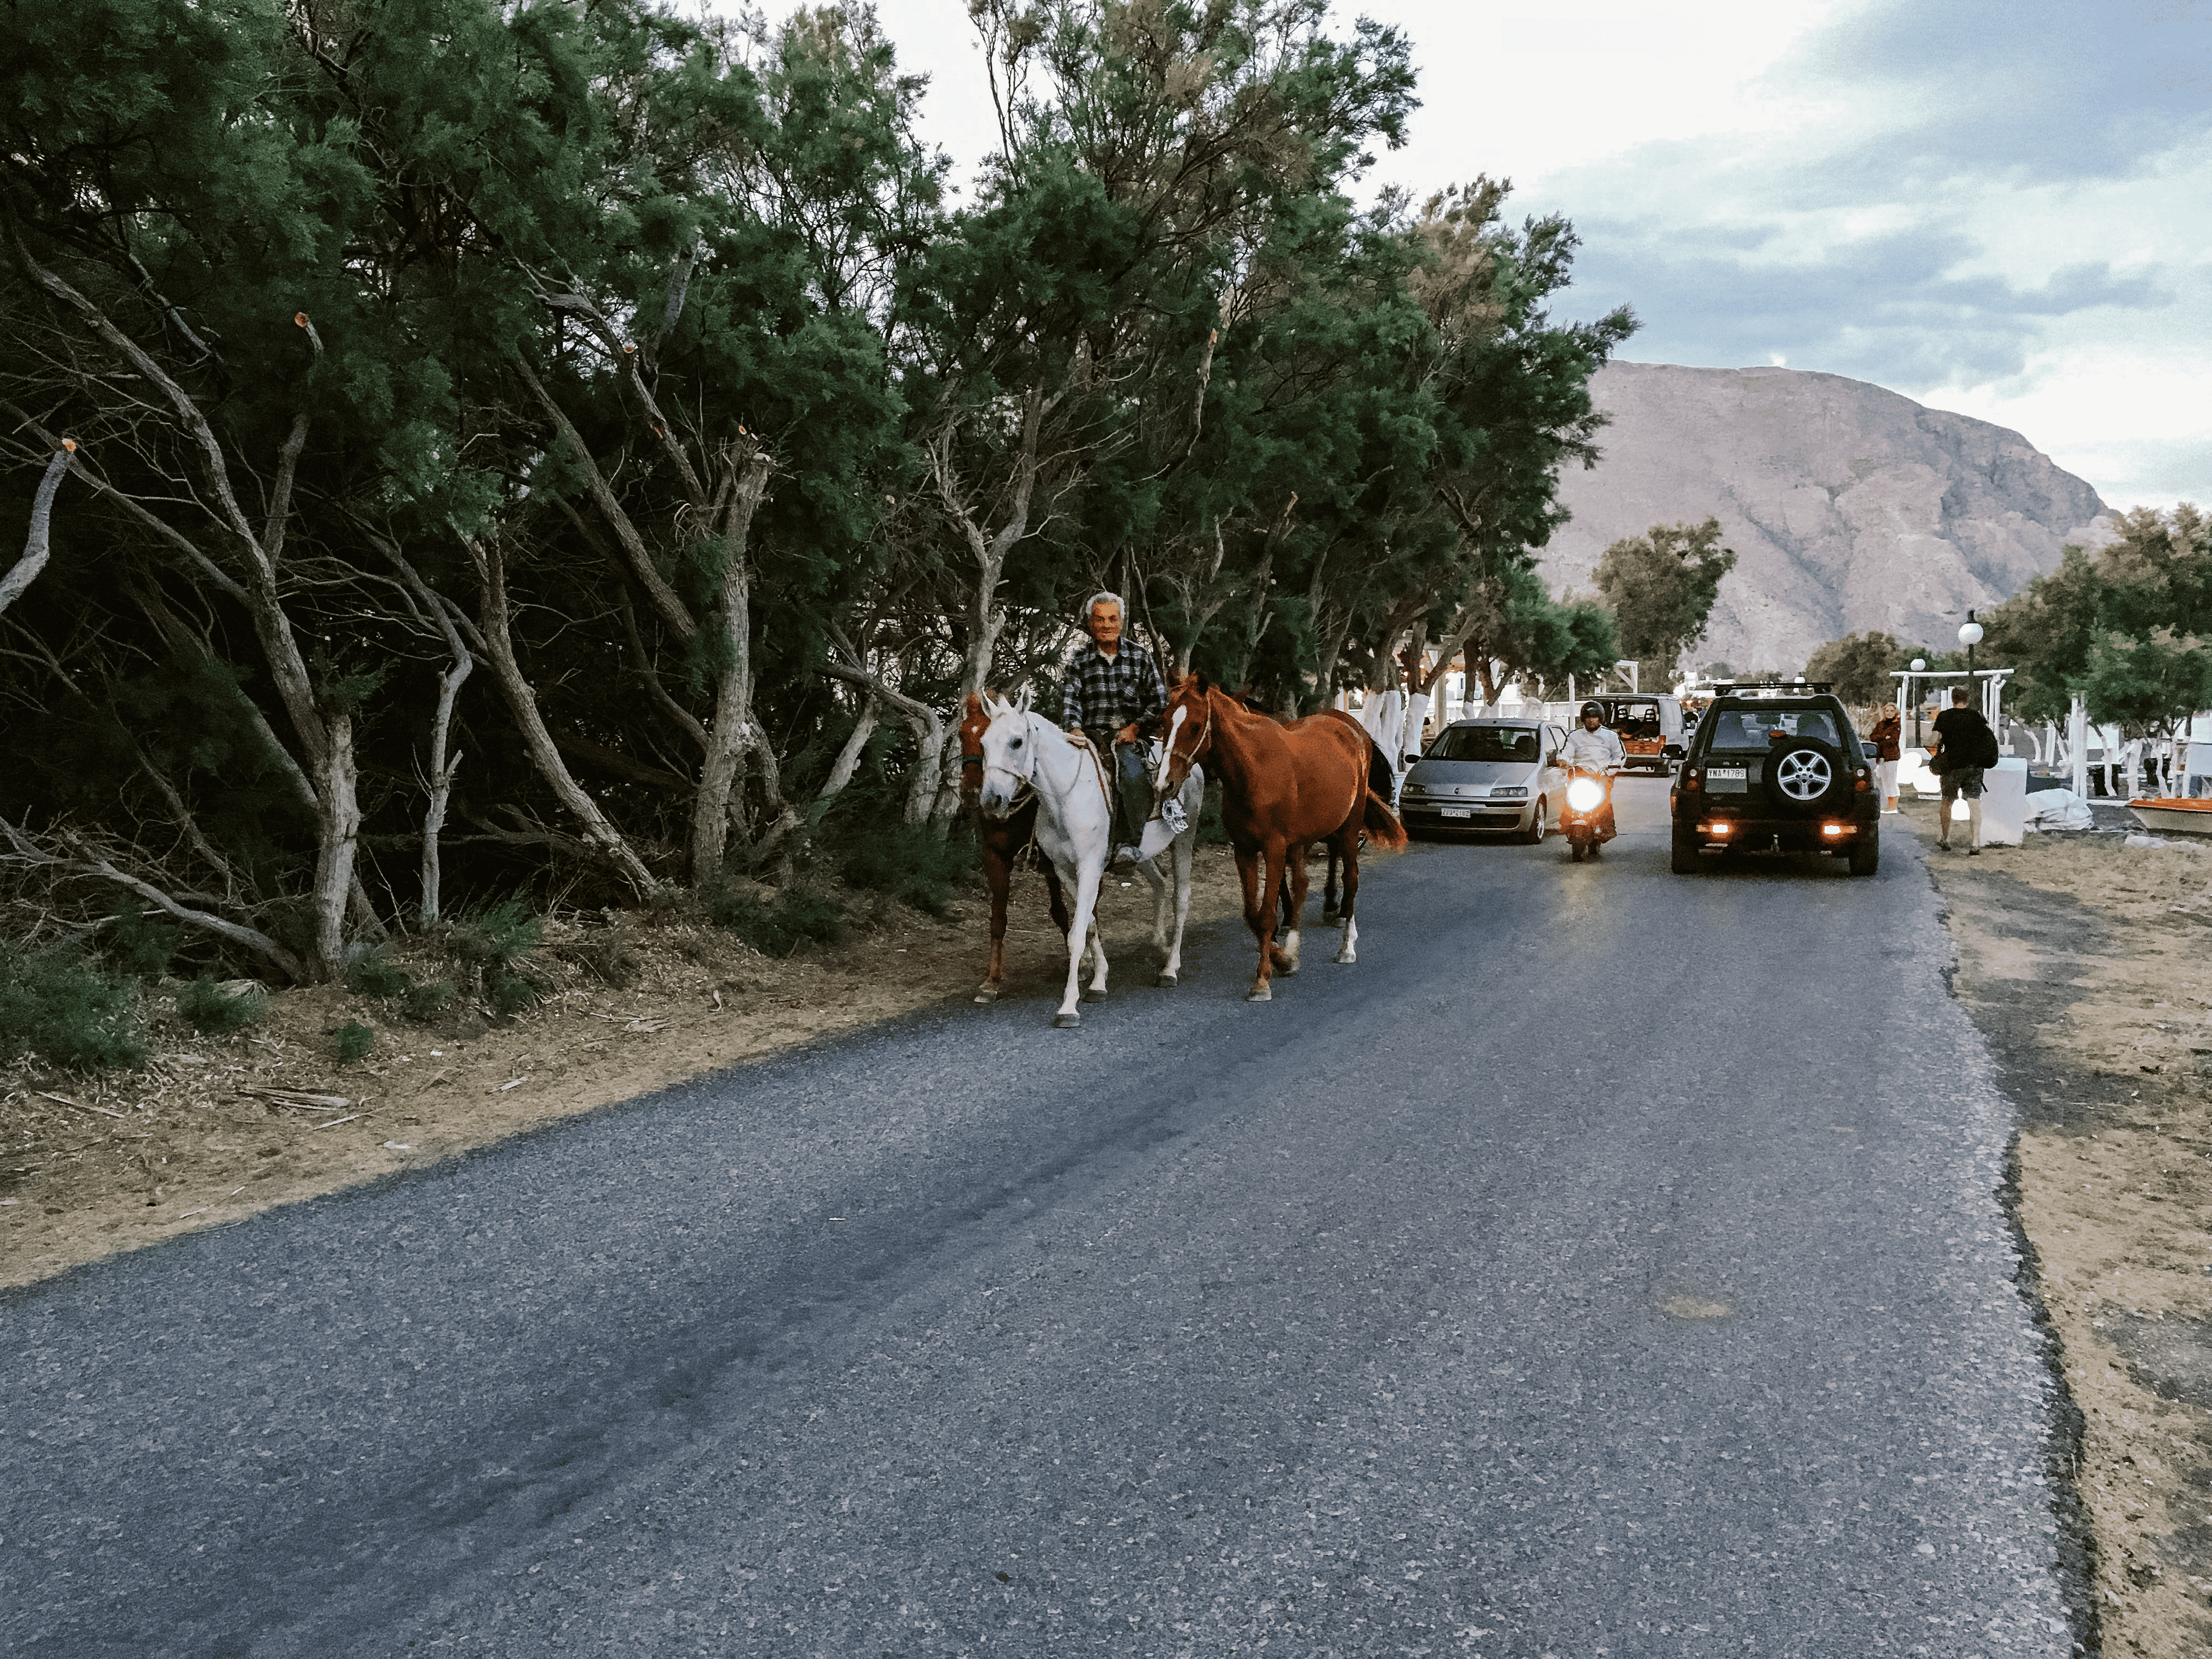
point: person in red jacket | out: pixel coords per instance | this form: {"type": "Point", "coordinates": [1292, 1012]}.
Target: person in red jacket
{"type": "Point", "coordinates": [1888, 731]}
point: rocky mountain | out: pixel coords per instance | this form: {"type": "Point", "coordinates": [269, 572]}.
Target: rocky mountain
{"type": "Point", "coordinates": [1850, 507]}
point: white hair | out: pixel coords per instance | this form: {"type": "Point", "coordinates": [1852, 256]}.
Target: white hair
{"type": "Point", "coordinates": [1104, 597]}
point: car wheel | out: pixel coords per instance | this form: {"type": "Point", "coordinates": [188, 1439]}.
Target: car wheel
{"type": "Point", "coordinates": [1687, 860]}
{"type": "Point", "coordinates": [1534, 834]}
{"type": "Point", "coordinates": [1866, 854]}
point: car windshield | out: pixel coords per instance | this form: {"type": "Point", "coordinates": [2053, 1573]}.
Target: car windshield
{"type": "Point", "coordinates": [1634, 720]}
{"type": "Point", "coordinates": [1754, 728]}
{"type": "Point", "coordinates": [1485, 743]}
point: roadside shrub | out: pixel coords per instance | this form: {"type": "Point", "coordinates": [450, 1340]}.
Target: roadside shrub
{"type": "Point", "coordinates": [913, 864]}
{"type": "Point", "coordinates": [605, 961]}
{"type": "Point", "coordinates": [509, 992]}
{"type": "Point", "coordinates": [63, 1006]}
{"type": "Point", "coordinates": [496, 935]}
{"type": "Point", "coordinates": [139, 944]}
{"type": "Point", "coordinates": [776, 930]}
{"type": "Point", "coordinates": [377, 975]}
{"type": "Point", "coordinates": [217, 1011]}
{"type": "Point", "coordinates": [427, 999]}
{"type": "Point", "coordinates": [1212, 831]}
{"type": "Point", "coordinates": [354, 1040]}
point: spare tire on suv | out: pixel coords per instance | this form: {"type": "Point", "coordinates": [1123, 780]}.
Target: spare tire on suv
{"type": "Point", "coordinates": [1804, 776]}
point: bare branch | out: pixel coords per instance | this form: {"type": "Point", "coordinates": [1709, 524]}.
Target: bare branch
{"type": "Point", "coordinates": [37, 546]}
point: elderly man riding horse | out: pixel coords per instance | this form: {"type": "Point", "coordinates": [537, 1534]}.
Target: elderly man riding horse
{"type": "Point", "coordinates": [1112, 693]}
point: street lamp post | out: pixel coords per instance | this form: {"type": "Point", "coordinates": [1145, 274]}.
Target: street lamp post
{"type": "Point", "coordinates": [1970, 635]}
{"type": "Point", "coordinates": [1919, 665]}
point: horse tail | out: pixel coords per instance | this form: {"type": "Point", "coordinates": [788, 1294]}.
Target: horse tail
{"type": "Point", "coordinates": [1385, 833]}
{"type": "Point", "coordinates": [1382, 776]}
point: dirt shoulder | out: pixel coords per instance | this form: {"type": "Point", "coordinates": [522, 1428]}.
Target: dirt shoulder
{"type": "Point", "coordinates": [2088, 964]}
{"type": "Point", "coordinates": [215, 1130]}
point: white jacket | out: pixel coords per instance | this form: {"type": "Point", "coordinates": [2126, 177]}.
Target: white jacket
{"type": "Point", "coordinates": [1597, 751]}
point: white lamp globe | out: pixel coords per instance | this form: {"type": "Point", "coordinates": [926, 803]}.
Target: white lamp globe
{"type": "Point", "coordinates": [1919, 663]}
{"type": "Point", "coordinates": [1970, 633]}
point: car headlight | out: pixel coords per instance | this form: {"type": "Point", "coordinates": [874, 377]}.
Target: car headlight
{"type": "Point", "coordinates": [1516, 792]}
{"type": "Point", "coordinates": [1584, 794]}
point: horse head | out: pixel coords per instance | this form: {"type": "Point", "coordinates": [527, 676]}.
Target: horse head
{"type": "Point", "coordinates": [974, 722]}
{"type": "Point", "coordinates": [1005, 752]}
{"type": "Point", "coordinates": [1188, 723]}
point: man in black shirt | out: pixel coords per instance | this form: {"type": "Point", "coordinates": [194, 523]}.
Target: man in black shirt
{"type": "Point", "coordinates": [1964, 746]}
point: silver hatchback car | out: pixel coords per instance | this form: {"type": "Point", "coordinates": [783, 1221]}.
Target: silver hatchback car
{"type": "Point", "coordinates": [1492, 774]}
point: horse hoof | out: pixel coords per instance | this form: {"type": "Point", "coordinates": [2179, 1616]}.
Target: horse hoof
{"type": "Point", "coordinates": [988, 994]}
{"type": "Point", "coordinates": [1346, 956]}
{"type": "Point", "coordinates": [1166, 981]}
{"type": "Point", "coordinates": [1328, 913]}
{"type": "Point", "coordinates": [1092, 993]}
{"type": "Point", "coordinates": [1259, 993]}
{"type": "Point", "coordinates": [1066, 1022]}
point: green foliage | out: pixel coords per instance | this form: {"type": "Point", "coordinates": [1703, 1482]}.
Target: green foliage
{"type": "Point", "coordinates": [511, 992]}
{"type": "Point", "coordinates": [498, 935]}
{"type": "Point", "coordinates": [798, 916]}
{"type": "Point", "coordinates": [1662, 586]}
{"type": "Point", "coordinates": [214, 1011]}
{"type": "Point", "coordinates": [913, 863]}
{"type": "Point", "coordinates": [377, 975]}
{"type": "Point", "coordinates": [355, 1041]}
{"type": "Point", "coordinates": [139, 942]}
{"type": "Point", "coordinates": [2127, 628]}
{"type": "Point", "coordinates": [427, 999]}
{"type": "Point", "coordinates": [607, 961]}
{"type": "Point", "coordinates": [61, 1005]}
{"type": "Point", "coordinates": [1858, 665]}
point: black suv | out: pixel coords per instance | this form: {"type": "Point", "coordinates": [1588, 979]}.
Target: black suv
{"type": "Point", "coordinates": [1777, 766]}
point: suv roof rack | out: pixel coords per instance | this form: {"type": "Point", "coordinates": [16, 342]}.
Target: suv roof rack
{"type": "Point", "coordinates": [1784, 688]}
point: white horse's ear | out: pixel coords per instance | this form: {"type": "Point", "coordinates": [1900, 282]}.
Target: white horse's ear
{"type": "Point", "coordinates": [994, 705]}
{"type": "Point", "coordinates": [1022, 703]}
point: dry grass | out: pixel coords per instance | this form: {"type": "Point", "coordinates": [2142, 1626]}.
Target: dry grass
{"type": "Point", "coordinates": [2089, 964]}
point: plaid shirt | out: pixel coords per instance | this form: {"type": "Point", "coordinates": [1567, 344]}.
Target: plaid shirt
{"type": "Point", "coordinates": [1099, 698]}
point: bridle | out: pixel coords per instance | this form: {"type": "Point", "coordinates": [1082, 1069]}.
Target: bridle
{"type": "Point", "coordinates": [1205, 735]}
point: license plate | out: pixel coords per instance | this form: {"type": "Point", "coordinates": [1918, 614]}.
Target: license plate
{"type": "Point", "coordinates": [1728, 780]}
{"type": "Point", "coordinates": [1455, 811]}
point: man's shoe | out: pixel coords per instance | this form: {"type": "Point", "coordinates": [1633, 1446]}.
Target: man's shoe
{"type": "Point", "coordinates": [1973, 852]}
{"type": "Point", "coordinates": [1943, 845]}
{"type": "Point", "coordinates": [1124, 860]}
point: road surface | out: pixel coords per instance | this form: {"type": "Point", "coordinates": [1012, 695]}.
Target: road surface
{"type": "Point", "coordinates": [1609, 1263]}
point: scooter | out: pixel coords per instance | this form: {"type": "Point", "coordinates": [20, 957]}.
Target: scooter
{"type": "Point", "coordinates": [1581, 821]}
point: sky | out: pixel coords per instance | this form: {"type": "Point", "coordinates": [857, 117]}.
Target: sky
{"type": "Point", "coordinates": [2003, 209]}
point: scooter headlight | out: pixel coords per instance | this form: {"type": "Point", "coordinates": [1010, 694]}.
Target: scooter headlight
{"type": "Point", "coordinates": [1585, 794]}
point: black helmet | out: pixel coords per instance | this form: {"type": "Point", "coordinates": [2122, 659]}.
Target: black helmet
{"type": "Point", "coordinates": [1590, 708]}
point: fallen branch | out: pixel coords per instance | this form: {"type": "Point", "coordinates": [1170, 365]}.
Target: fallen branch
{"type": "Point", "coordinates": [66, 1101]}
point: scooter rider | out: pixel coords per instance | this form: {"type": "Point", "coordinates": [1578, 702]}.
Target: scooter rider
{"type": "Point", "coordinates": [1593, 746]}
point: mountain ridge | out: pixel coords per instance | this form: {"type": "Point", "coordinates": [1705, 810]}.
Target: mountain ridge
{"type": "Point", "coordinates": [1851, 507]}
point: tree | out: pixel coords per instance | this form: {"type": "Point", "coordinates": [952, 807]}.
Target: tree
{"type": "Point", "coordinates": [1858, 665]}
{"type": "Point", "coordinates": [1662, 586]}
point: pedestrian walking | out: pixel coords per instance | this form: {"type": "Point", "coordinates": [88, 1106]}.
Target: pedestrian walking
{"type": "Point", "coordinates": [1888, 732]}
{"type": "Point", "coordinates": [1965, 746]}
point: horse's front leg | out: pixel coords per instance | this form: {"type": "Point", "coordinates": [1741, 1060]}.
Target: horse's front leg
{"type": "Point", "coordinates": [1262, 918]}
{"type": "Point", "coordinates": [998, 872]}
{"type": "Point", "coordinates": [1079, 925]}
{"type": "Point", "coordinates": [1097, 991]}
{"type": "Point", "coordinates": [1348, 951]}
{"type": "Point", "coordinates": [1185, 849]}
{"type": "Point", "coordinates": [1294, 905]}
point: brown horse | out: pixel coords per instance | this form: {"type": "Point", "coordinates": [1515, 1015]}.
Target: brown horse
{"type": "Point", "coordinates": [1004, 840]}
{"type": "Point", "coordinates": [1284, 787]}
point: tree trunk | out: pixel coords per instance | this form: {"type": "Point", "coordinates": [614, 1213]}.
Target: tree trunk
{"type": "Point", "coordinates": [731, 733]}
{"type": "Point", "coordinates": [38, 545]}
{"type": "Point", "coordinates": [498, 644]}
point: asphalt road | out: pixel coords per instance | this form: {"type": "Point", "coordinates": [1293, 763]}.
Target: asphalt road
{"type": "Point", "coordinates": [1609, 1263]}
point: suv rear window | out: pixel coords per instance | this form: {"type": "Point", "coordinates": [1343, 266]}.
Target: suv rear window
{"type": "Point", "coordinates": [1754, 728]}
{"type": "Point", "coordinates": [1486, 743]}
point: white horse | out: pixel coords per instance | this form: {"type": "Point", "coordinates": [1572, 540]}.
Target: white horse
{"type": "Point", "coordinates": [1024, 751]}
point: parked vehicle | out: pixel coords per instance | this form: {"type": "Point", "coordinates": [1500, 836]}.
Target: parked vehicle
{"type": "Point", "coordinates": [1650, 729]}
{"type": "Point", "coordinates": [1494, 774]}
{"type": "Point", "coordinates": [1776, 767]}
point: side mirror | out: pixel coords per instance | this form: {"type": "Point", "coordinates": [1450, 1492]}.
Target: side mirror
{"type": "Point", "coordinates": [1410, 759]}
{"type": "Point", "coordinates": [1872, 751]}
